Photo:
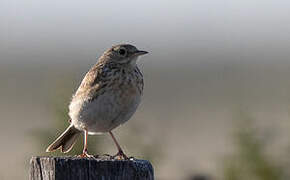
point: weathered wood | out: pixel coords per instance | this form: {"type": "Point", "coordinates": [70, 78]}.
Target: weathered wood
{"type": "Point", "coordinates": [74, 168]}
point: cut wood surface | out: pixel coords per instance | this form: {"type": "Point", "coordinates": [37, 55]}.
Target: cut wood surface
{"type": "Point", "coordinates": [74, 168]}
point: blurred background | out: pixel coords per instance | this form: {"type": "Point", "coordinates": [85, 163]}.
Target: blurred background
{"type": "Point", "coordinates": [217, 89]}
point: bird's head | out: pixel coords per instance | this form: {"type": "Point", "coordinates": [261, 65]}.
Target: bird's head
{"type": "Point", "coordinates": [122, 54]}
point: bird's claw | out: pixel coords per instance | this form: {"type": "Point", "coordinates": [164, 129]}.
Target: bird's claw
{"type": "Point", "coordinates": [85, 155]}
{"type": "Point", "coordinates": [120, 156]}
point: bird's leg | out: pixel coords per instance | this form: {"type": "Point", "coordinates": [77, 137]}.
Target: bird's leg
{"type": "Point", "coordinates": [85, 150]}
{"type": "Point", "coordinates": [120, 153]}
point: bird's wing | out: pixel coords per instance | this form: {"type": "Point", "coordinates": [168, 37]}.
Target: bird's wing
{"type": "Point", "coordinates": [92, 82]}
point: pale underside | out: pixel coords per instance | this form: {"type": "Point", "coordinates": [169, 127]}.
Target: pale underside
{"type": "Point", "coordinates": [104, 113]}
{"type": "Point", "coordinates": [99, 108]}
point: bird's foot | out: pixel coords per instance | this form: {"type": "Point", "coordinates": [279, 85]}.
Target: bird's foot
{"type": "Point", "coordinates": [85, 155]}
{"type": "Point", "coordinates": [121, 156]}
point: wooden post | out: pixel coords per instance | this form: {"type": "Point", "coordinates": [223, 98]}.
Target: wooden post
{"type": "Point", "coordinates": [74, 168]}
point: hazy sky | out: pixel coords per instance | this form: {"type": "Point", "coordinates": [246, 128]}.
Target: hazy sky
{"type": "Point", "coordinates": [181, 31]}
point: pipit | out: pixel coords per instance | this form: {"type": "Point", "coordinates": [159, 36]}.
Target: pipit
{"type": "Point", "coordinates": [107, 97]}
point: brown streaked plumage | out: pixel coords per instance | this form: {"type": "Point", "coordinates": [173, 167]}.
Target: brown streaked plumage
{"type": "Point", "coordinates": [108, 96]}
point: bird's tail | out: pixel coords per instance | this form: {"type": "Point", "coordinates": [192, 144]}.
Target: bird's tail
{"type": "Point", "coordinates": [65, 141]}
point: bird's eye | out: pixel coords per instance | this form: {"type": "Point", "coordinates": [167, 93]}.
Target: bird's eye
{"type": "Point", "coordinates": [122, 51]}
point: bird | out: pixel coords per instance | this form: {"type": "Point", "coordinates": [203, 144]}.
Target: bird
{"type": "Point", "coordinates": [107, 97]}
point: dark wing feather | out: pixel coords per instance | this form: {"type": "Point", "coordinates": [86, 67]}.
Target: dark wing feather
{"type": "Point", "coordinates": [91, 81]}
{"type": "Point", "coordinates": [95, 81]}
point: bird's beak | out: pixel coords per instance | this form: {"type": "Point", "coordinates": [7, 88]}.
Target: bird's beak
{"type": "Point", "coordinates": [139, 53]}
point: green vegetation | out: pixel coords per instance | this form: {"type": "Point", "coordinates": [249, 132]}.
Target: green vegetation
{"type": "Point", "coordinates": [250, 160]}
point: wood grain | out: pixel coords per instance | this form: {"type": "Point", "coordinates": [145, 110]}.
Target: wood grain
{"type": "Point", "coordinates": [74, 168]}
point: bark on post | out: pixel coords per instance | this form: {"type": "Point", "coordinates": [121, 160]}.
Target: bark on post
{"type": "Point", "coordinates": [73, 168]}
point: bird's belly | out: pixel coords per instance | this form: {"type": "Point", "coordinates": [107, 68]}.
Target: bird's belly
{"type": "Point", "coordinates": [105, 112]}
